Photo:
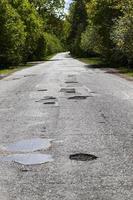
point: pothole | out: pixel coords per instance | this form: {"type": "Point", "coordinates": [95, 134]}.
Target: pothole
{"type": "Point", "coordinates": [29, 75]}
{"type": "Point", "coordinates": [103, 116]}
{"type": "Point", "coordinates": [71, 75]}
{"type": "Point", "coordinates": [49, 103]}
{"type": "Point", "coordinates": [82, 157]}
{"type": "Point", "coordinates": [28, 159]}
{"type": "Point", "coordinates": [49, 98]}
{"type": "Point", "coordinates": [23, 152]}
{"type": "Point", "coordinates": [29, 145]}
{"type": "Point", "coordinates": [79, 97]}
{"type": "Point", "coordinates": [42, 90]}
{"type": "Point", "coordinates": [68, 90]}
{"type": "Point", "coordinates": [71, 82]}
{"type": "Point", "coordinates": [16, 79]}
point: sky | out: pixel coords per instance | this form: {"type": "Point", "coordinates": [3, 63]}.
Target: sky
{"type": "Point", "coordinates": [67, 4]}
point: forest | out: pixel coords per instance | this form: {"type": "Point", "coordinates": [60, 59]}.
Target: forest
{"type": "Point", "coordinates": [32, 29]}
{"type": "Point", "coordinates": [29, 30]}
{"type": "Point", "coordinates": [101, 28]}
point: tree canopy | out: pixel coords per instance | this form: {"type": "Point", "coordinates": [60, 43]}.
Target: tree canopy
{"type": "Point", "coordinates": [103, 27]}
{"type": "Point", "coordinates": [29, 30]}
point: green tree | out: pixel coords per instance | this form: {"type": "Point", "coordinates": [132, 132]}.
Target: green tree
{"type": "Point", "coordinates": [78, 20]}
{"type": "Point", "coordinates": [52, 13]}
{"type": "Point", "coordinates": [12, 35]}
{"type": "Point", "coordinates": [97, 37]}
{"type": "Point", "coordinates": [122, 33]}
{"type": "Point", "coordinates": [33, 26]}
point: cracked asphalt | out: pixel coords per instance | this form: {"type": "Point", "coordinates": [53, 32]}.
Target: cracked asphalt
{"type": "Point", "coordinates": [81, 110]}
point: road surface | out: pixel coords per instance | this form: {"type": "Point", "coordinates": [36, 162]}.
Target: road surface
{"type": "Point", "coordinates": [79, 110]}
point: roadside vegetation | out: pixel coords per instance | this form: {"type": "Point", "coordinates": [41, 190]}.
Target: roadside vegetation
{"type": "Point", "coordinates": [101, 31]}
{"type": "Point", "coordinates": [29, 31]}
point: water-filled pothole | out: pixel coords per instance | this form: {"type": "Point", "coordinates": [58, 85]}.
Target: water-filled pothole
{"type": "Point", "coordinates": [82, 157]}
{"type": "Point", "coordinates": [78, 97]}
{"type": "Point", "coordinates": [29, 145]}
{"type": "Point", "coordinates": [28, 159]}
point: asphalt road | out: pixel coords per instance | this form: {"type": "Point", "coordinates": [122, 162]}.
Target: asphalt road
{"type": "Point", "coordinates": [101, 124]}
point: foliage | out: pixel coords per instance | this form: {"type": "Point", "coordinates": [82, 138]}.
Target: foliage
{"type": "Point", "coordinates": [109, 30]}
{"type": "Point", "coordinates": [12, 35]}
{"type": "Point", "coordinates": [33, 26]}
{"type": "Point", "coordinates": [24, 28]}
{"type": "Point", "coordinates": [53, 44]}
{"type": "Point", "coordinates": [100, 21]}
{"type": "Point", "coordinates": [122, 33]}
{"type": "Point", "coordinates": [77, 19]}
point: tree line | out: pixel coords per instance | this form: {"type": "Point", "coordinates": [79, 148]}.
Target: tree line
{"type": "Point", "coordinates": [101, 27]}
{"type": "Point", "coordinates": [29, 30]}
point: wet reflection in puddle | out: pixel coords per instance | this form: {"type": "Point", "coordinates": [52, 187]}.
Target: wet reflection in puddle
{"type": "Point", "coordinates": [29, 145]}
{"type": "Point", "coordinates": [28, 159]}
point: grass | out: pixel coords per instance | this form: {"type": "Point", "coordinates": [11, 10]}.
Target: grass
{"type": "Point", "coordinates": [98, 63]}
{"type": "Point", "coordinates": [12, 69]}
{"type": "Point", "coordinates": [92, 61]}
{"type": "Point", "coordinates": [49, 57]}
{"type": "Point", "coordinates": [126, 71]}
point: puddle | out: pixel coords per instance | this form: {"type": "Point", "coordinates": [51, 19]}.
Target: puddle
{"type": "Point", "coordinates": [29, 145]}
{"type": "Point", "coordinates": [79, 97]}
{"type": "Point", "coordinates": [28, 159]}
{"type": "Point", "coordinates": [82, 157]}
{"type": "Point", "coordinates": [68, 90]}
